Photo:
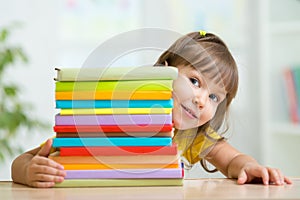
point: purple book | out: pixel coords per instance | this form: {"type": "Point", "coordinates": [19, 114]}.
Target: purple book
{"type": "Point", "coordinates": [124, 173]}
{"type": "Point", "coordinates": [113, 119]}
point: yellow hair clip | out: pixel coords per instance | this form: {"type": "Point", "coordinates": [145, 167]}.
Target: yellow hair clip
{"type": "Point", "coordinates": [202, 33]}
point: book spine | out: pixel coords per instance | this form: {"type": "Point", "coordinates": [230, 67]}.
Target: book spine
{"type": "Point", "coordinates": [157, 85]}
{"type": "Point", "coordinates": [114, 103]}
{"type": "Point", "coordinates": [82, 142]}
{"type": "Point", "coordinates": [113, 95]}
{"type": "Point", "coordinates": [112, 134]}
{"type": "Point", "coordinates": [137, 159]}
{"type": "Point", "coordinates": [291, 95]}
{"type": "Point", "coordinates": [119, 182]}
{"type": "Point", "coordinates": [140, 120]}
{"type": "Point", "coordinates": [118, 151]}
{"type": "Point", "coordinates": [126, 173]}
{"type": "Point", "coordinates": [113, 128]}
{"type": "Point", "coordinates": [296, 79]}
{"type": "Point", "coordinates": [115, 111]}
{"type": "Point", "coordinates": [116, 73]}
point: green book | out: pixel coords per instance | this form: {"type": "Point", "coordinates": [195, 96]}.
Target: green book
{"type": "Point", "coordinates": [138, 85]}
{"type": "Point", "coordinates": [119, 182]}
{"type": "Point", "coordinates": [116, 73]}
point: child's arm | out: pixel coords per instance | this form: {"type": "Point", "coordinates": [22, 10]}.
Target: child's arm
{"type": "Point", "coordinates": [234, 164]}
{"type": "Point", "coordinates": [33, 168]}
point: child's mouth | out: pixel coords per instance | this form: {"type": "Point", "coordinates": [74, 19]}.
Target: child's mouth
{"type": "Point", "coordinates": [189, 112]}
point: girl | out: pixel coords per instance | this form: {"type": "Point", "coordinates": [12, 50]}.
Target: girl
{"type": "Point", "coordinates": [202, 93]}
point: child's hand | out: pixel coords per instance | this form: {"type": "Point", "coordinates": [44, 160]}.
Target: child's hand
{"type": "Point", "coordinates": [252, 172]}
{"type": "Point", "coordinates": [42, 171]}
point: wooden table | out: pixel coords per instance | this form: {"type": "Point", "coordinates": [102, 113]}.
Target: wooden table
{"type": "Point", "coordinates": [192, 189]}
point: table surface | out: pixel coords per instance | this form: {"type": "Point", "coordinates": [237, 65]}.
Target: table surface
{"type": "Point", "coordinates": [192, 189]}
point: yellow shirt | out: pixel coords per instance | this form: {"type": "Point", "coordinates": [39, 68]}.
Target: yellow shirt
{"type": "Point", "coordinates": [192, 146]}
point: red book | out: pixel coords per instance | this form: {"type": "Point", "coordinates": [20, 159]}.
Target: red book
{"type": "Point", "coordinates": [291, 95]}
{"type": "Point", "coordinates": [121, 134]}
{"type": "Point", "coordinates": [118, 151]}
{"type": "Point", "coordinates": [114, 128]}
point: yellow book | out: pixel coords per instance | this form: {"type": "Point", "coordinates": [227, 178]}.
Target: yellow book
{"type": "Point", "coordinates": [110, 111]}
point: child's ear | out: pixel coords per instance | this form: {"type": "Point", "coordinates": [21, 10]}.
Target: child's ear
{"type": "Point", "coordinates": [166, 63]}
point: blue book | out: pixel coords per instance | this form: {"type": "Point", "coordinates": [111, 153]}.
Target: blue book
{"type": "Point", "coordinates": [114, 141]}
{"type": "Point", "coordinates": [114, 103]}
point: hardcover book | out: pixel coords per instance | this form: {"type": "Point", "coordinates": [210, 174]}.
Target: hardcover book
{"type": "Point", "coordinates": [113, 119]}
{"type": "Point", "coordinates": [119, 182]}
{"type": "Point", "coordinates": [114, 128]}
{"type": "Point", "coordinates": [116, 73]}
{"type": "Point", "coordinates": [141, 85]}
{"type": "Point", "coordinates": [124, 173]}
{"type": "Point", "coordinates": [117, 166]}
{"type": "Point", "coordinates": [115, 111]}
{"type": "Point", "coordinates": [137, 159]}
{"type": "Point", "coordinates": [113, 95]}
{"type": "Point", "coordinates": [118, 151]}
{"type": "Point", "coordinates": [114, 104]}
{"type": "Point", "coordinates": [115, 141]}
{"type": "Point", "coordinates": [113, 134]}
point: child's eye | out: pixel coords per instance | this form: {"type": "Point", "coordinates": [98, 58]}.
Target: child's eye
{"type": "Point", "coordinates": [195, 82]}
{"type": "Point", "coordinates": [214, 97]}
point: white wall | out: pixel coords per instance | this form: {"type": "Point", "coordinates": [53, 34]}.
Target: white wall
{"type": "Point", "coordinates": [47, 46]}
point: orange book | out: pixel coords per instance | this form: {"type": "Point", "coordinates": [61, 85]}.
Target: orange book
{"type": "Point", "coordinates": [133, 159]}
{"type": "Point", "coordinates": [117, 166]}
{"type": "Point", "coordinates": [113, 95]}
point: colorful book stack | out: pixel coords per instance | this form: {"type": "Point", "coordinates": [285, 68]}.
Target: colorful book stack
{"type": "Point", "coordinates": [115, 127]}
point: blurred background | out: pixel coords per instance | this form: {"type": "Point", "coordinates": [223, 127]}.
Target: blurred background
{"type": "Point", "coordinates": [263, 36]}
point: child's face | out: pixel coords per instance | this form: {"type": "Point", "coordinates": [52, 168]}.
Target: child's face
{"type": "Point", "coordinates": [196, 98]}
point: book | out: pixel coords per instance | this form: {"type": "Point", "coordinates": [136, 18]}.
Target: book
{"type": "Point", "coordinates": [113, 134]}
{"type": "Point", "coordinates": [117, 166]}
{"type": "Point", "coordinates": [119, 182]}
{"type": "Point", "coordinates": [114, 128]}
{"type": "Point", "coordinates": [115, 141]}
{"type": "Point", "coordinates": [115, 111]}
{"type": "Point", "coordinates": [141, 85]}
{"type": "Point", "coordinates": [296, 78]}
{"type": "Point", "coordinates": [291, 95]}
{"type": "Point", "coordinates": [124, 174]}
{"type": "Point", "coordinates": [116, 73]}
{"type": "Point", "coordinates": [137, 159]}
{"type": "Point", "coordinates": [113, 95]}
{"type": "Point", "coordinates": [63, 104]}
{"type": "Point", "coordinates": [78, 120]}
{"type": "Point", "coordinates": [118, 151]}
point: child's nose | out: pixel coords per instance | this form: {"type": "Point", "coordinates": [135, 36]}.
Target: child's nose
{"type": "Point", "coordinates": [201, 98]}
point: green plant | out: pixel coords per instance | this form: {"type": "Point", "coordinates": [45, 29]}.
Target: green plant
{"type": "Point", "coordinates": [13, 110]}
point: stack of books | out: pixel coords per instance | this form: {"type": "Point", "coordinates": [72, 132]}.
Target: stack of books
{"type": "Point", "coordinates": [115, 127]}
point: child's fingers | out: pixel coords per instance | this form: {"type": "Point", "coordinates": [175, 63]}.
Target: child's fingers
{"type": "Point", "coordinates": [42, 169]}
{"type": "Point", "coordinates": [242, 178]}
{"type": "Point", "coordinates": [287, 180]}
{"type": "Point", "coordinates": [48, 178]}
{"type": "Point", "coordinates": [38, 184]}
{"type": "Point", "coordinates": [46, 148]}
{"type": "Point", "coordinates": [256, 171]}
{"type": "Point", "coordinates": [47, 162]}
{"type": "Point", "coordinates": [277, 177]}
